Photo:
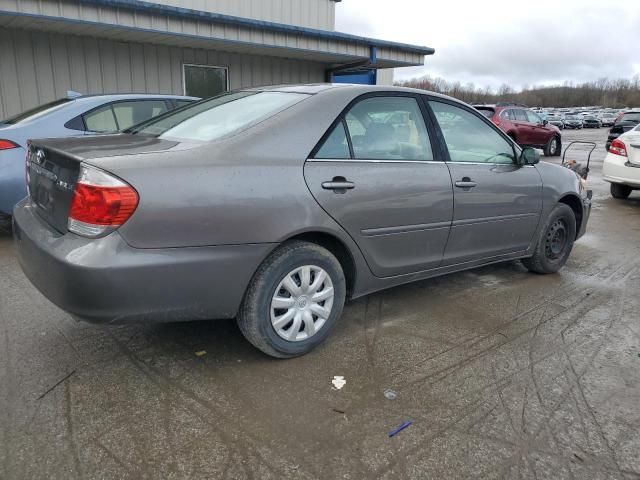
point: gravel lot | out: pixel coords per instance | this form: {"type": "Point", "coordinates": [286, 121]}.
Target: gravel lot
{"type": "Point", "coordinates": [504, 374]}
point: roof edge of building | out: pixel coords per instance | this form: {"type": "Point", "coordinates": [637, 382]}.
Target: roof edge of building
{"type": "Point", "coordinates": [248, 22]}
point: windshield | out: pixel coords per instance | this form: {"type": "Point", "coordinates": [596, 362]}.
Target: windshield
{"type": "Point", "coordinates": [36, 112]}
{"type": "Point", "coordinates": [633, 117]}
{"type": "Point", "coordinates": [216, 117]}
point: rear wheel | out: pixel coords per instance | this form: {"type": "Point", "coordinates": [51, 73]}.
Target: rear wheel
{"type": "Point", "coordinates": [553, 147]}
{"type": "Point", "coordinates": [620, 191]}
{"type": "Point", "coordinates": [555, 242]}
{"type": "Point", "coordinates": [293, 301]}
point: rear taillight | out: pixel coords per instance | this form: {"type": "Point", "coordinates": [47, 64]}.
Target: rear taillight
{"type": "Point", "coordinates": [101, 203]}
{"type": "Point", "coordinates": [8, 144]}
{"type": "Point", "coordinates": [618, 148]}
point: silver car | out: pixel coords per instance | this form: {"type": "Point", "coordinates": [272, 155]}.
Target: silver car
{"type": "Point", "coordinates": [274, 205]}
{"type": "Point", "coordinates": [73, 115]}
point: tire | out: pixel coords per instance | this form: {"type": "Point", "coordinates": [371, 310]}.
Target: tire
{"type": "Point", "coordinates": [553, 147]}
{"type": "Point", "coordinates": [552, 252]}
{"type": "Point", "coordinates": [620, 191]}
{"type": "Point", "coordinates": [257, 313]}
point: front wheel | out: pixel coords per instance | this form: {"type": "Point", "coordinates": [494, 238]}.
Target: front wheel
{"type": "Point", "coordinates": [293, 301]}
{"type": "Point", "coordinates": [620, 191]}
{"type": "Point", "coordinates": [555, 242]}
{"type": "Point", "coordinates": [553, 147]}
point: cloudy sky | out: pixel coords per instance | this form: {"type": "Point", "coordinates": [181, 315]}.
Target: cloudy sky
{"type": "Point", "coordinates": [518, 42]}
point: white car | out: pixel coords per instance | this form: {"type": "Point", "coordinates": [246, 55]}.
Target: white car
{"type": "Point", "coordinates": [622, 164]}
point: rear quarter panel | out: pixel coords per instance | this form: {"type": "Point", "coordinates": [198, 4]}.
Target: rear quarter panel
{"type": "Point", "coordinates": [245, 189]}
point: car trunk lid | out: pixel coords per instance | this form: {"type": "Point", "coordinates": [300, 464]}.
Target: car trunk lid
{"type": "Point", "coordinates": [51, 178]}
{"type": "Point", "coordinates": [53, 166]}
{"type": "Point", "coordinates": [632, 141]}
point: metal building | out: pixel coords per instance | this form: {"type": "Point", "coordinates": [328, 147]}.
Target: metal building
{"type": "Point", "coordinates": [193, 47]}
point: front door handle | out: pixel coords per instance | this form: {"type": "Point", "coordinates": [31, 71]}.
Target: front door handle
{"type": "Point", "coordinates": [339, 185]}
{"type": "Point", "coordinates": [466, 183]}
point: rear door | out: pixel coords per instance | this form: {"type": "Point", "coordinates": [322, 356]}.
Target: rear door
{"type": "Point", "coordinates": [376, 174]}
{"type": "Point", "coordinates": [497, 203]}
{"type": "Point", "coordinates": [523, 127]}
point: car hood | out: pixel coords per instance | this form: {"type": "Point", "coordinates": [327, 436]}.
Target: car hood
{"type": "Point", "coordinates": [104, 146]}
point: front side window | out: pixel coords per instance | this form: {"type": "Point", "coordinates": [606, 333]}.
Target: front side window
{"type": "Point", "coordinates": [214, 118]}
{"type": "Point", "coordinates": [388, 128]}
{"type": "Point", "coordinates": [532, 117]}
{"type": "Point", "coordinates": [204, 81]}
{"type": "Point", "coordinates": [469, 139]}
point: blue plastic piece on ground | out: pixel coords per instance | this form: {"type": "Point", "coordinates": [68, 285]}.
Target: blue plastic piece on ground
{"type": "Point", "coordinates": [396, 431]}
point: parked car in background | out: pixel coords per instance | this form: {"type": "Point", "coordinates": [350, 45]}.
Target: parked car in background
{"type": "Point", "coordinates": [607, 119]}
{"type": "Point", "coordinates": [573, 121]}
{"type": "Point", "coordinates": [590, 121]}
{"type": "Point", "coordinates": [272, 205]}
{"type": "Point", "coordinates": [555, 120]}
{"type": "Point", "coordinates": [625, 122]}
{"type": "Point", "coordinates": [524, 126]}
{"type": "Point", "coordinates": [74, 115]}
{"type": "Point", "coordinates": [622, 164]}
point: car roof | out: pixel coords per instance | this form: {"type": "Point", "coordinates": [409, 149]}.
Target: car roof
{"type": "Point", "coordinates": [320, 88]}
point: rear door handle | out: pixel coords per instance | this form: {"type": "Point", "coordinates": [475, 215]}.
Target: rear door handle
{"type": "Point", "coordinates": [466, 182]}
{"type": "Point", "coordinates": [339, 185]}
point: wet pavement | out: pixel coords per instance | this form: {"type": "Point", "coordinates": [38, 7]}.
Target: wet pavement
{"type": "Point", "coordinates": [504, 374]}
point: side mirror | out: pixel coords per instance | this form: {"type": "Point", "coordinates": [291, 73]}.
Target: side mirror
{"type": "Point", "coordinates": [544, 122]}
{"type": "Point", "coordinates": [530, 156]}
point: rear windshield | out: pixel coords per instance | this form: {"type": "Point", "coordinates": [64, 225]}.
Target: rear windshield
{"type": "Point", "coordinates": [487, 112]}
{"type": "Point", "coordinates": [216, 117]}
{"type": "Point", "coordinates": [36, 112]}
{"type": "Point", "coordinates": [630, 117]}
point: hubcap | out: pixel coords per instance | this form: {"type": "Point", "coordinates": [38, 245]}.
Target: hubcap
{"type": "Point", "coordinates": [302, 303]}
{"type": "Point", "coordinates": [554, 145]}
{"type": "Point", "coordinates": [556, 240]}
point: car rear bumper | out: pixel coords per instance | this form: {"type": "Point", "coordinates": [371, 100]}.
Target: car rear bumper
{"type": "Point", "coordinates": [107, 281]}
{"type": "Point", "coordinates": [616, 169]}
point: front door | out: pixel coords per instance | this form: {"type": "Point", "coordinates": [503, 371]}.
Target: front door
{"type": "Point", "coordinates": [376, 175]}
{"type": "Point", "coordinates": [497, 202]}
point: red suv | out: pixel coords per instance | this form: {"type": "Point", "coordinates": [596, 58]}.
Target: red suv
{"type": "Point", "coordinates": [526, 127]}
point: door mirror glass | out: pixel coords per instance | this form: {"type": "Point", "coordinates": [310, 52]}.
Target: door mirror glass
{"type": "Point", "coordinates": [530, 156]}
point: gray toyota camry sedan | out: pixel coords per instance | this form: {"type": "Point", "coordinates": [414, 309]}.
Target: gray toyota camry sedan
{"type": "Point", "coordinates": [274, 205]}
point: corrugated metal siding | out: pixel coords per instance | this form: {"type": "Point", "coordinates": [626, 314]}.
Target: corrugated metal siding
{"type": "Point", "coordinates": [166, 24]}
{"type": "Point", "coordinates": [305, 13]}
{"type": "Point", "coordinates": [37, 67]}
{"type": "Point", "coordinates": [385, 76]}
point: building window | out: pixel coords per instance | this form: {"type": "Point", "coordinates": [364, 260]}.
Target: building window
{"type": "Point", "coordinates": [204, 81]}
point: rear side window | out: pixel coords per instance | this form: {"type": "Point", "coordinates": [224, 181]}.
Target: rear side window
{"type": "Point", "coordinates": [101, 120]}
{"type": "Point", "coordinates": [520, 115]}
{"type": "Point", "coordinates": [336, 145]}
{"type": "Point", "coordinates": [388, 128]}
{"type": "Point", "coordinates": [469, 139]}
{"type": "Point", "coordinates": [508, 114]}
{"type": "Point", "coordinates": [131, 113]}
